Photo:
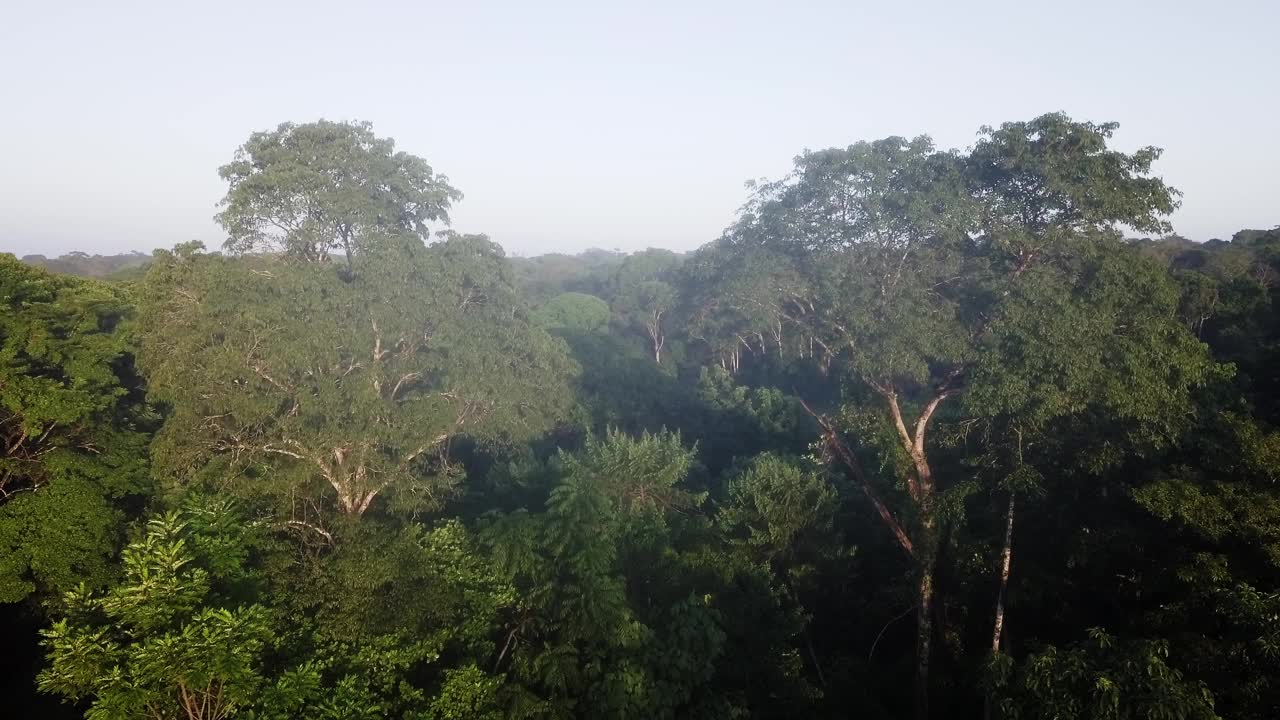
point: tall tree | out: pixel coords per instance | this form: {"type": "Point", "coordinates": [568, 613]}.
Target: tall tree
{"type": "Point", "coordinates": [642, 296]}
{"type": "Point", "coordinates": [732, 296]}
{"type": "Point", "coordinates": [308, 190]}
{"type": "Point", "coordinates": [348, 390]}
{"type": "Point", "coordinates": [996, 277]}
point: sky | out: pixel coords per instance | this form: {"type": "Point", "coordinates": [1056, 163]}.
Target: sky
{"type": "Point", "coordinates": [571, 125]}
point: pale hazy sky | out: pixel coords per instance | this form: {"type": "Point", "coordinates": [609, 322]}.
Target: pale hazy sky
{"type": "Point", "coordinates": [570, 125]}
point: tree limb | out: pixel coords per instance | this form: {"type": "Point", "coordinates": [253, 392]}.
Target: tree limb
{"type": "Point", "coordinates": [314, 528]}
{"type": "Point", "coordinates": [832, 438]}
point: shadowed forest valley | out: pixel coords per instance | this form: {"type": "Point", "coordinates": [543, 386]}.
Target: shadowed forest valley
{"type": "Point", "coordinates": [925, 433]}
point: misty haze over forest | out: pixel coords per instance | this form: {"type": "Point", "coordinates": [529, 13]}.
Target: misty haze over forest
{"type": "Point", "coordinates": [573, 125]}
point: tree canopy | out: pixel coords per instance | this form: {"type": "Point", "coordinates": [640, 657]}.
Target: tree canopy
{"type": "Point", "coordinates": [309, 190]}
{"type": "Point", "coordinates": [73, 427]}
{"type": "Point", "coordinates": [360, 386]}
{"type": "Point", "coordinates": [924, 433]}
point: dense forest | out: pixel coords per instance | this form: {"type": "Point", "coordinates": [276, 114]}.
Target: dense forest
{"type": "Point", "coordinates": [925, 433]}
{"type": "Point", "coordinates": [127, 266]}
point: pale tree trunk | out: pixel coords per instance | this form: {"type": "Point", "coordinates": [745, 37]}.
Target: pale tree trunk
{"type": "Point", "coordinates": [654, 326]}
{"type": "Point", "coordinates": [1006, 560]}
{"type": "Point", "coordinates": [926, 560]}
{"type": "Point", "coordinates": [346, 471]}
{"type": "Point", "coordinates": [920, 486]}
{"type": "Point", "coordinates": [922, 491]}
{"type": "Point", "coordinates": [345, 233]}
{"type": "Point", "coordinates": [837, 447]}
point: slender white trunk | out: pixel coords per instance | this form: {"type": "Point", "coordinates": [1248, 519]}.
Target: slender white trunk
{"type": "Point", "coordinates": [1006, 560]}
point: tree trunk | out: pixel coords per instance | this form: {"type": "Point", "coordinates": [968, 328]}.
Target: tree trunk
{"type": "Point", "coordinates": [924, 636]}
{"type": "Point", "coordinates": [928, 561]}
{"type": "Point", "coordinates": [920, 486]}
{"type": "Point", "coordinates": [654, 326]}
{"type": "Point", "coordinates": [924, 614]}
{"type": "Point", "coordinates": [1006, 559]}
{"type": "Point", "coordinates": [346, 247]}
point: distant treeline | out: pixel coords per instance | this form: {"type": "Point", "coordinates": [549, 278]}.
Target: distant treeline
{"type": "Point", "coordinates": [542, 277]}
{"type": "Point", "coordinates": [126, 266]}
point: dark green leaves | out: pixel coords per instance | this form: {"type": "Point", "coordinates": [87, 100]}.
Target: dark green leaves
{"type": "Point", "coordinates": [72, 428]}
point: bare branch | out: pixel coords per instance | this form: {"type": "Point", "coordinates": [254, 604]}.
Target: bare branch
{"type": "Point", "coordinates": [946, 389]}
{"type": "Point", "coordinates": [406, 378]}
{"type": "Point", "coordinates": [281, 451]}
{"type": "Point", "coordinates": [832, 438]}
{"type": "Point", "coordinates": [314, 528]}
{"type": "Point", "coordinates": [895, 410]}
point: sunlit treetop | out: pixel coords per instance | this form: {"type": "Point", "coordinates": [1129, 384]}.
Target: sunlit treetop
{"type": "Point", "coordinates": [309, 190]}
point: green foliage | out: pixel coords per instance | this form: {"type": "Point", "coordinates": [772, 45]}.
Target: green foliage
{"type": "Point", "coordinates": [990, 288]}
{"type": "Point", "coordinates": [307, 190]}
{"type": "Point", "coordinates": [468, 694]}
{"type": "Point", "coordinates": [620, 386]}
{"type": "Point", "coordinates": [1231, 296]}
{"type": "Point", "coordinates": [573, 312]}
{"type": "Point", "coordinates": [126, 266]}
{"type": "Point", "coordinates": [545, 276]}
{"type": "Point", "coordinates": [596, 647]}
{"type": "Point", "coordinates": [1102, 337]}
{"type": "Point", "coordinates": [1101, 678]}
{"type": "Point", "coordinates": [72, 426]}
{"type": "Point", "coordinates": [173, 640]}
{"type": "Point", "coordinates": [1053, 176]}
{"type": "Point", "coordinates": [298, 381]}
{"type": "Point", "coordinates": [942, 271]}
{"type": "Point", "coordinates": [777, 506]}
{"type": "Point", "coordinates": [731, 420]}
{"type": "Point", "coordinates": [642, 297]}
{"type": "Point", "coordinates": [929, 415]}
{"type": "Point", "coordinates": [152, 644]}
{"type": "Point", "coordinates": [55, 538]}
{"type": "Point", "coordinates": [1221, 524]}
{"type": "Point", "coordinates": [428, 584]}
{"type": "Point", "coordinates": [735, 300]}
